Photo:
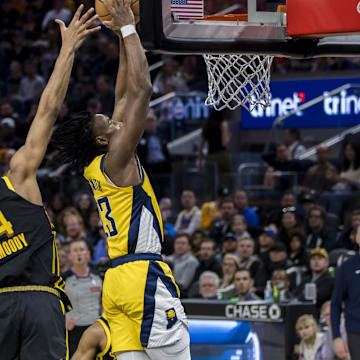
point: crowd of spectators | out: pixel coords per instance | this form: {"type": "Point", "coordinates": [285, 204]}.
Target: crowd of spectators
{"type": "Point", "coordinates": [29, 43]}
{"type": "Point", "coordinates": [223, 249]}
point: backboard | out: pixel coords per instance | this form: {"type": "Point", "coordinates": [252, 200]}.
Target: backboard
{"type": "Point", "coordinates": [245, 27]}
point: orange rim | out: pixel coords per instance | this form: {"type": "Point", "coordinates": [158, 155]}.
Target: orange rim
{"type": "Point", "coordinates": [227, 17]}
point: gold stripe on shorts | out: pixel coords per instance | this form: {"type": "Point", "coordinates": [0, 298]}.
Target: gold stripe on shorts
{"type": "Point", "coordinates": [30, 288]}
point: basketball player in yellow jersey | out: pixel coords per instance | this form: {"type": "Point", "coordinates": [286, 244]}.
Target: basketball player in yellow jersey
{"type": "Point", "coordinates": [140, 297]}
{"type": "Point", "coordinates": [95, 342]}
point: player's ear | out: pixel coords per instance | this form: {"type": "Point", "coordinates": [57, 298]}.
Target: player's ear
{"type": "Point", "coordinates": [101, 141]}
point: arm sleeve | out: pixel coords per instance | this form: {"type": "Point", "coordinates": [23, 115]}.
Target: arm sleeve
{"type": "Point", "coordinates": [336, 302]}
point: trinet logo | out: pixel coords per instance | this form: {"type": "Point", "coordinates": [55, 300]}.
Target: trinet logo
{"type": "Point", "coordinates": [341, 105]}
{"type": "Point", "coordinates": [280, 107]}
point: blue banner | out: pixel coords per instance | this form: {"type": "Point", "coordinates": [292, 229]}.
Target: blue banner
{"type": "Point", "coordinates": [340, 110]}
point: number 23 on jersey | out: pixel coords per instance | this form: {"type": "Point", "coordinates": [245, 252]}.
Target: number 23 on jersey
{"type": "Point", "coordinates": [110, 225]}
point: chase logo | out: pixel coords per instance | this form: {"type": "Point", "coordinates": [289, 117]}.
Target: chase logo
{"type": "Point", "coordinates": [171, 317]}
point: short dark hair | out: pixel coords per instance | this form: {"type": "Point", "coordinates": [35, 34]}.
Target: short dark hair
{"type": "Point", "coordinates": [288, 192]}
{"type": "Point", "coordinates": [189, 190]}
{"type": "Point", "coordinates": [278, 247]}
{"type": "Point", "coordinates": [226, 200]}
{"type": "Point", "coordinates": [242, 269]}
{"type": "Point", "coordinates": [318, 208]}
{"type": "Point", "coordinates": [209, 240]}
{"type": "Point", "coordinates": [75, 140]}
{"type": "Point", "coordinates": [80, 239]}
{"type": "Point", "coordinates": [182, 234]}
{"type": "Point", "coordinates": [202, 233]}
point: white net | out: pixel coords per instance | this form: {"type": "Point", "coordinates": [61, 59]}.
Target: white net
{"type": "Point", "coordinates": [238, 80]}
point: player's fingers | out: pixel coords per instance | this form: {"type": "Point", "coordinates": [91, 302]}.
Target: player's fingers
{"type": "Point", "coordinates": [86, 15]}
{"type": "Point", "coordinates": [108, 7]}
{"type": "Point", "coordinates": [92, 30]}
{"type": "Point", "coordinates": [120, 3]}
{"type": "Point", "coordinates": [77, 13]}
{"type": "Point", "coordinates": [91, 20]}
{"type": "Point", "coordinates": [61, 24]}
{"type": "Point", "coordinates": [108, 24]}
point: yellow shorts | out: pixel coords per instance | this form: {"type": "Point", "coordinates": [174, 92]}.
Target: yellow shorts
{"type": "Point", "coordinates": [142, 305]}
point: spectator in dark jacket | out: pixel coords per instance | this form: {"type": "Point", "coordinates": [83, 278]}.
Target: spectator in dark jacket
{"type": "Point", "coordinates": [207, 259]}
{"type": "Point", "coordinates": [319, 264]}
{"type": "Point", "coordinates": [317, 234]}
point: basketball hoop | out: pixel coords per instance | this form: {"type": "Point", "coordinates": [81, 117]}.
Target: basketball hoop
{"type": "Point", "coordinates": [238, 80]}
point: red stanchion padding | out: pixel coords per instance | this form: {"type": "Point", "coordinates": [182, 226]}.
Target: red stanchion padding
{"type": "Point", "coordinates": [319, 18]}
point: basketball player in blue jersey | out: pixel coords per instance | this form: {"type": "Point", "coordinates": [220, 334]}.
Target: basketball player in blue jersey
{"type": "Point", "coordinates": [32, 300]}
{"type": "Point", "coordinates": [140, 296]}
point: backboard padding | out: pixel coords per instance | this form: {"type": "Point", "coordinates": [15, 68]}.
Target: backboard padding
{"type": "Point", "coordinates": [160, 32]}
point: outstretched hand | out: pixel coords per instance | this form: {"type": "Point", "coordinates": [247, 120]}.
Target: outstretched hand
{"type": "Point", "coordinates": [121, 13]}
{"type": "Point", "coordinates": [74, 35]}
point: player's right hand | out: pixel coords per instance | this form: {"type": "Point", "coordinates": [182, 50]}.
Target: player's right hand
{"type": "Point", "coordinates": [74, 35]}
{"type": "Point", "coordinates": [341, 348]}
{"type": "Point", "coordinates": [121, 14]}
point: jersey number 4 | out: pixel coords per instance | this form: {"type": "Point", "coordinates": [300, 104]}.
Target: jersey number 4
{"type": "Point", "coordinates": [104, 205]}
{"type": "Point", "coordinates": [5, 226]}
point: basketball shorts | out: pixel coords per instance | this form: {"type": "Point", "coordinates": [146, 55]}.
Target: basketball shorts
{"type": "Point", "coordinates": [142, 305]}
{"type": "Point", "coordinates": [32, 326]}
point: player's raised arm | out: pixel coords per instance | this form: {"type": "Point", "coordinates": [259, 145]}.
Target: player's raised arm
{"type": "Point", "coordinates": [28, 158]}
{"type": "Point", "coordinates": [132, 103]}
{"type": "Point", "coordinates": [121, 79]}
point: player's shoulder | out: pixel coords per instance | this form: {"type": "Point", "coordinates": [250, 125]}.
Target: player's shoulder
{"type": "Point", "coordinates": [95, 166]}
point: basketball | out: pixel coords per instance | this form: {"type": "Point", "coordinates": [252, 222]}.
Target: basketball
{"type": "Point", "coordinates": [105, 16]}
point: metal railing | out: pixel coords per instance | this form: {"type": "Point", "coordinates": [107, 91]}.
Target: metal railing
{"type": "Point", "coordinates": [330, 142]}
{"type": "Point", "coordinates": [251, 173]}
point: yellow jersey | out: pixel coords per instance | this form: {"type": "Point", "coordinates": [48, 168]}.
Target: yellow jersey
{"type": "Point", "coordinates": [208, 211]}
{"type": "Point", "coordinates": [130, 215]}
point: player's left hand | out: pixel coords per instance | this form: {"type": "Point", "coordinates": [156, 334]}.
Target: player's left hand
{"type": "Point", "coordinates": [74, 35]}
